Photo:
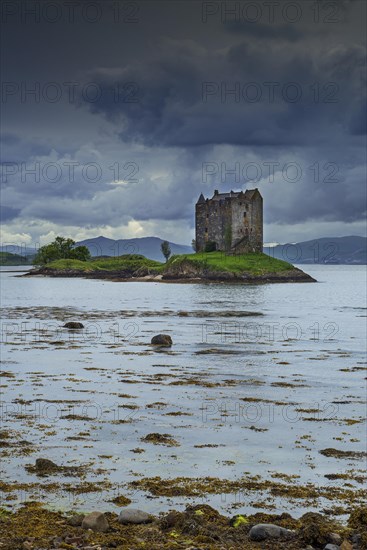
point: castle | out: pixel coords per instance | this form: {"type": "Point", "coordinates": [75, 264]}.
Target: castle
{"type": "Point", "coordinates": [231, 222]}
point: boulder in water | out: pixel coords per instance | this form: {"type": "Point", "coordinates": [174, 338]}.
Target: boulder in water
{"type": "Point", "coordinates": [73, 325]}
{"type": "Point", "coordinates": [162, 340]}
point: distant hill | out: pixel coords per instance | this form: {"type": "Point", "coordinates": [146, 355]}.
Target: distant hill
{"type": "Point", "coordinates": [6, 258]}
{"type": "Point", "coordinates": [18, 250]}
{"type": "Point", "coordinates": [328, 250]}
{"type": "Point", "coordinates": [150, 247]}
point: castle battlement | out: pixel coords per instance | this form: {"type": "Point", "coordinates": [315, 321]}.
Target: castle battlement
{"type": "Point", "coordinates": [233, 221]}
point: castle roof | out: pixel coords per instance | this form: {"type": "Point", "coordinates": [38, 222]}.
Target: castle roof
{"type": "Point", "coordinates": [248, 194]}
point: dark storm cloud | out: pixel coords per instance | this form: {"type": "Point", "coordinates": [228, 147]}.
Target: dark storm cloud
{"type": "Point", "coordinates": [8, 213]}
{"type": "Point", "coordinates": [15, 149]}
{"type": "Point", "coordinates": [307, 200]}
{"type": "Point", "coordinates": [117, 206]}
{"type": "Point", "coordinates": [166, 102]}
{"type": "Point", "coordinates": [358, 119]}
{"type": "Point", "coordinates": [286, 31]}
{"type": "Point", "coordinates": [247, 95]}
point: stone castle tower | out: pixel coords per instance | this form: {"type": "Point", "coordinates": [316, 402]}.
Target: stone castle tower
{"type": "Point", "coordinates": [233, 221]}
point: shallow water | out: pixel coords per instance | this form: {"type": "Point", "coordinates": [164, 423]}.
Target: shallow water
{"type": "Point", "coordinates": [266, 389]}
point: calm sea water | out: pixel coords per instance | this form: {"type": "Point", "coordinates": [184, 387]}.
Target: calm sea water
{"type": "Point", "coordinates": [259, 379]}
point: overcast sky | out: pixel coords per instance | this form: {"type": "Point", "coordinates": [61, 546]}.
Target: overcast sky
{"type": "Point", "coordinates": [117, 115]}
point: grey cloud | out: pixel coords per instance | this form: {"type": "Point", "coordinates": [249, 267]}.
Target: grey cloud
{"type": "Point", "coordinates": [287, 32]}
{"type": "Point", "coordinates": [170, 131]}
{"type": "Point", "coordinates": [8, 213]}
{"type": "Point", "coordinates": [169, 109]}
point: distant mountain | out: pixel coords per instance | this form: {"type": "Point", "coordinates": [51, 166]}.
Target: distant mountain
{"type": "Point", "coordinates": [150, 247]}
{"type": "Point", "coordinates": [327, 250]}
{"type": "Point", "coordinates": [6, 258]}
{"type": "Point", "coordinates": [20, 250]}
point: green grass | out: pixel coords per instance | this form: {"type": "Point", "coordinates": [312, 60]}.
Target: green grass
{"type": "Point", "coordinates": [127, 262]}
{"type": "Point", "coordinates": [254, 263]}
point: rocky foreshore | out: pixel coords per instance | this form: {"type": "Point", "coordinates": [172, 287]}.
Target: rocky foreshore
{"type": "Point", "coordinates": [199, 527]}
{"type": "Point", "coordinates": [184, 273]}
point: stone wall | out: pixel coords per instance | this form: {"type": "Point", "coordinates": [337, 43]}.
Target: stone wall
{"type": "Point", "coordinates": [247, 224]}
{"type": "Point", "coordinates": [242, 216]}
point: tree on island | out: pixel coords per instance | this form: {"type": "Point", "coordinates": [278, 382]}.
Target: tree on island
{"type": "Point", "coordinates": [166, 250]}
{"type": "Point", "coordinates": [60, 249]}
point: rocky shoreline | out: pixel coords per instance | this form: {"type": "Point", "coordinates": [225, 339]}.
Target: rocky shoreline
{"type": "Point", "coordinates": [183, 273]}
{"type": "Point", "coordinates": [199, 527]}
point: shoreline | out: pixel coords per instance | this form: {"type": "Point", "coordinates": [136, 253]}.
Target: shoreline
{"type": "Point", "coordinates": [199, 527]}
{"type": "Point", "coordinates": [292, 276]}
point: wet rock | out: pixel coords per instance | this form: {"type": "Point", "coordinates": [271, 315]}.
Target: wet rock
{"type": "Point", "coordinates": [76, 520]}
{"type": "Point", "coordinates": [358, 519]}
{"type": "Point", "coordinates": [331, 547]}
{"type": "Point", "coordinates": [170, 521]}
{"type": "Point", "coordinates": [196, 521]}
{"type": "Point", "coordinates": [161, 340]}
{"type": "Point", "coordinates": [133, 515]}
{"type": "Point", "coordinates": [263, 531]}
{"type": "Point", "coordinates": [315, 529]}
{"type": "Point", "coordinates": [334, 538]}
{"type": "Point", "coordinates": [45, 465]}
{"type": "Point", "coordinates": [96, 521]}
{"type": "Point", "coordinates": [346, 545]}
{"type": "Point", "coordinates": [73, 325]}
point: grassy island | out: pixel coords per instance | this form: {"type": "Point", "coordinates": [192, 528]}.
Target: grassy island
{"type": "Point", "coordinates": [209, 266]}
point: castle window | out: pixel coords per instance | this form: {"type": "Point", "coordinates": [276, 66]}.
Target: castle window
{"type": "Point", "coordinates": [244, 214]}
{"type": "Point", "coordinates": [206, 230]}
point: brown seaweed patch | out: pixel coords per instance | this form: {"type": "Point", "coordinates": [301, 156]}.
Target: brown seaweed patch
{"type": "Point", "coordinates": [45, 467]}
{"type": "Point", "coordinates": [121, 500]}
{"type": "Point", "coordinates": [199, 487]}
{"type": "Point", "coordinates": [178, 413]}
{"type": "Point", "coordinates": [76, 417]}
{"type": "Point", "coordinates": [195, 382]}
{"type": "Point", "coordinates": [346, 476]}
{"type": "Point", "coordinates": [160, 439]}
{"type": "Point", "coordinates": [337, 453]}
{"type": "Point", "coordinates": [288, 385]}
{"type": "Point", "coordinates": [157, 405]}
{"type": "Point", "coordinates": [208, 446]}
{"type": "Point", "coordinates": [218, 351]}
